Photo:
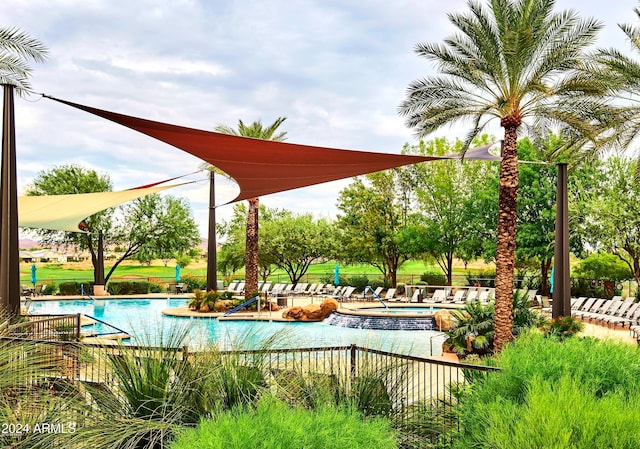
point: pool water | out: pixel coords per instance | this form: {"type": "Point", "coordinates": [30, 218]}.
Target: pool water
{"type": "Point", "coordinates": [143, 320]}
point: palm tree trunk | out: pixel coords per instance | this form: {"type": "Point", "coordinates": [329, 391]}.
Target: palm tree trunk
{"type": "Point", "coordinates": [506, 248]}
{"type": "Point", "coordinates": [251, 252]}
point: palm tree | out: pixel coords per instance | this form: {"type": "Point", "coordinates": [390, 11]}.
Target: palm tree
{"type": "Point", "coordinates": [257, 131]}
{"type": "Point", "coordinates": [519, 62]}
{"type": "Point", "coordinates": [16, 49]}
{"type": "Point", "coordinates": [622, 74]}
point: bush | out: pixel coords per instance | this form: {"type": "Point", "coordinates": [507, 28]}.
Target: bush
{"type": "Point", "coordinates": [579, 393]}
{"type": "Point", "coordinates": [192, 283]}
{"type": "Point", "coordinates": [400, 289]}
{"type": "Point", "coordinates": [74, 288]}
{"type": "Point", "coordinates": [275, 425]}
{"type": "Point", "coordinates": [359, 282]}
{"type": "Point", "coordinates": [49, 289]}
{"type": "Point", "coordinates": [434, 278]}
{"type": "Point", "coordinates": [564, 327]}
{"type": "Point", "coordinates": [485, 278]}
{"type": "Point", "coordinates": [154, 287]}
{"type": "Point", "coordinates": [128, 287]}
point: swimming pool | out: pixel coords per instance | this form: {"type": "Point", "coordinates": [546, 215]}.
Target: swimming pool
{"type": "Point", "coordinates": [143, 320]}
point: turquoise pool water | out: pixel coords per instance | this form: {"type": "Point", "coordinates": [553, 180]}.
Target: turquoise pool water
{"type": "Point", "coordinates": [143, 320]}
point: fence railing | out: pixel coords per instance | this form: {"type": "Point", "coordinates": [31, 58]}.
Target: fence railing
{"type": "Point", "coordinates": [48, 327]}
{"type": "Point", "coordinates": [414, 392]}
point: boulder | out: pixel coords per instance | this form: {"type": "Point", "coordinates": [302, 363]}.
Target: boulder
{"type": "Point", "coordinates": [295, 313]}
{"type": "Point", "coordinates": [443, 320]}
{"type": "Point", "coordinates": [328, 306]}
{"type": "Point", "coordinates": [312, 312]}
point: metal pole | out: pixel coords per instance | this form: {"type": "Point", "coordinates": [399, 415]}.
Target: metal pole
{"type": "Point", "coordinates": [100, 263]}
{"type": "Point", "coordinates": [212, 261]}
{"type": "Point", "coordinates": [9, 253]}
{"type": "Point", "coordinates": [561, 279]}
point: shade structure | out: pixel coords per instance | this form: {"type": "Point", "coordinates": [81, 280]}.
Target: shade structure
{"type": "Point", "coordinates": [66, 212]}
{"type": "Point", "coordinates": [262, 167]}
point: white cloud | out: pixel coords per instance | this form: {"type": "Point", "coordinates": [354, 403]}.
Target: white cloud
{"type": "Point", "coordinates": [336, 69]}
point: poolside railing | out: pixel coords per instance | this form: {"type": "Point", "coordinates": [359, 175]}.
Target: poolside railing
{"type": "Point", "coordinates": [418, 394]}
{"type": "Point", "coordinates": [48, 327]}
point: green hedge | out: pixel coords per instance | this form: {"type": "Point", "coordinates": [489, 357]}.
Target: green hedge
{"type": "Point", "coordinates": [74, 288]}
{"type": "Point", "coordinates": [128, 287]}
{"type": "Point", "coordinates": [275, 425]}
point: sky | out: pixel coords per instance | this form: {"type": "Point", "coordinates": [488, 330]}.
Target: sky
{"type": "Point", "coordinates": [337, 69]}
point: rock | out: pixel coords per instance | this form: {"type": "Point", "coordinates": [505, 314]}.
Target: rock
{"type": "Point", "coordinates": [443, 320]}
{"type": "Point", "coordinates": [312, 312]}
{"type": "Point", "coordinates": [328, 306]}
{"type": "Point", "coordinates": [295, 313]}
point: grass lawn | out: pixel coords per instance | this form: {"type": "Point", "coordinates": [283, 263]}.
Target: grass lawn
{"type": "Point", "coordinates": [80, 271]}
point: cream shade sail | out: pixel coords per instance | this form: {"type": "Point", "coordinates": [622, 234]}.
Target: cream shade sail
{"type": "Point", "coordinates": [66, 212]}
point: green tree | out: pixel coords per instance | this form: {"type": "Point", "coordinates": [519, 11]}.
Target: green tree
{"type": "Point", "coordinates": [257, 131]}
{"type": "Point", "coordinates": [608, 211]}
{"type": "Point", "coordinates": [73, 179]}
{"type": "Point", "coordinates": [445, 194]}
{"type": "Point", "coordinates": [296, 241]}
{"type": "Point", "coordinates": [622, 74]}
{"type": "Point", "coordinates": [372, 224]}
{"type": "Point", "coordinates": [155, 226]}
{"type": "Point", "coordinates": [17, 48]}
{"type": "Point", "coordinates": [537, 207]}
{"type": "Point", "coordinates": [233, 250]}
{"type": "Point", "coordinates": [523, 64]}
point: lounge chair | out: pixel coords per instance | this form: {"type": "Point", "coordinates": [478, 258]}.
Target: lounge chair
{"type": "Point", "coordinates": [472, 296]}
{"type": "Point", "coordinates": [417, 294]}
{"type": "Point", "coordinates": [626, 316]}
{"type": "Point", "coordinates": [266, 287]}
{"type": "Point", "coordinates": [439, 296]}
{"type": "Point", "coordinates": [458, 298]}
{"type": "Point", "coordinates": [390, 295]}
{"type": "Point", "coordinates": [299, 289]}
{"type": "Point", "coordinates": [598, 306]}
{"type": "Point", "coordinates": [483, 296]}
{"type": "Point", "coordinates": [373, 295]}
{"type": "Point", "coordinates": [232, 286]}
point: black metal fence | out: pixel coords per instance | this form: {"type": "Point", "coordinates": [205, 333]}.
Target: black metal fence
{"type": "Point", "coordinates": [417, 394]}
{"type": "Point", "coordinates": [48, 327]}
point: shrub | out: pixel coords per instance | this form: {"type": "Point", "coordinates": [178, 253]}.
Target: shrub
{"type": "Point", "coordinates": [474, 327]}
{"type": "Point", "coordinates": [49, 289]}
{"type": "Point", "coordinates": [154, 287]}
{"type": "Point", "coordinates": [580, 393]}
{"type": "Point", "coordinates": [273, 424]}
{"type": "Point", "coordinates": [128, 287]}
{"type": "Point", "coordinates": [434, 278]}
{"type": "Point", "coordinates": [486, 278]}
{"type": "Point", "coordinates": [192, 283]}
{"type": "Point", "coordinates": [74, 288]}
{"type": "Point", "coordinates": [359, 282]}
{"type": "Point", "coordinates": [564, 327]}
{"type": "Point", "coordinates": [400, 289]}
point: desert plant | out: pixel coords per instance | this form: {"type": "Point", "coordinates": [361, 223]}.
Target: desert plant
{"type": "Point", "coordinates": [273, 424]}
{"type": "Point", "coordinates": [196, 300]}
{"type": "Point", "coordinates": [581, 393]}
{"type": "Point", "coordinates": [564, 327]}
{"type": "Point", "coordinates": [474, 326]}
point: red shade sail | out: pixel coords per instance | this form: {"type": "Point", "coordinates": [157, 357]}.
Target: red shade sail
{"type": "Point", "coordinates": [261, 167]}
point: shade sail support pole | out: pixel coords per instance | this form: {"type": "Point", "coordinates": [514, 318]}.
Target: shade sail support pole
{"type": "Point", "coordinates": [9, 251]}
{"type": "Point", "coordinates": [212, 260]}
{"type": "Point", "coordinates": [561, 279]}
